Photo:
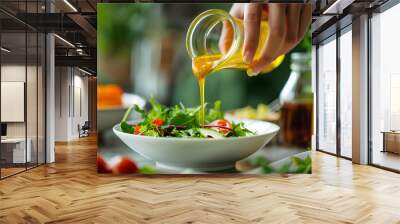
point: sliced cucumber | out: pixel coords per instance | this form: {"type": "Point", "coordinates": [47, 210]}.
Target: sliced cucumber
{"type": "Point", "coordinates": [210, 132]}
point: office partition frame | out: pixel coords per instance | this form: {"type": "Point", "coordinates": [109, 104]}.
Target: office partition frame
{"type": "Point", "coordinates": [333, 33]}
{"type": "Point", "coordinates": [30, 29]}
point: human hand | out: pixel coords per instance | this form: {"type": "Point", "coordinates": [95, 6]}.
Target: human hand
{"type": "Point", "coordinates": [287, 24]}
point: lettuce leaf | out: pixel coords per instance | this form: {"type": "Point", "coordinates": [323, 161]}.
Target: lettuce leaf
{"type": "Point", "coordinates": [177, 121]}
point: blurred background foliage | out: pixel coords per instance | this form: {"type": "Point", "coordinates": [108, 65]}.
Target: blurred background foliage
{"type": "Point", "coordinates": [119, 32]}
{"type": "Point", "coordinates": [141, 47]}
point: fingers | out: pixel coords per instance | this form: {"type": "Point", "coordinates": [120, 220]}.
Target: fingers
{"type": "Point", "coordinates": [275, 40]}
{"type": "Point", "coordinates": [251, 22]}
{"type": "Point", "coordinates": [293, 26]}
{"type": "Point", "coordinates": [237, 10]}
{"type": "Point", "coordinates": [305, 20]}
{"type": "Point", "coordinates": [287, 23]}
{"type": "Point", "coordinates": [226, 38]}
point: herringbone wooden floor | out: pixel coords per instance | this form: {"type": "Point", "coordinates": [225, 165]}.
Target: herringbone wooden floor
{"type": "Point", "coordinates": [70, 191]}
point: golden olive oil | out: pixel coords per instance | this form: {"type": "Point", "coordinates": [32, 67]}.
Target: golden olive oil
{"type": "Point", "coordinates": [204, 65]}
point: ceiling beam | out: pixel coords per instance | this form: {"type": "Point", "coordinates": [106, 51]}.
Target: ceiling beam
{"type": "Point", "coordinates": [77, 61]}
{"type": "Point", "coordinates": [49, 22]}
{"type": "Point", "coordinates": [84, 24]}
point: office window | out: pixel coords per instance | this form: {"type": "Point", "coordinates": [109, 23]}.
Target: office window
{"type": "Point", "coordinates": [385, 88]}
{"type": "Point", "coordinates": [22, 93]}
{"type": "Point", "coordinates": [327, 96]}
{"type": "Point", "coordinates": [346, 92]}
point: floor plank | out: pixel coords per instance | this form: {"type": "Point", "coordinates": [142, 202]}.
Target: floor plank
{"type": "Point", "coordinates": [70, 191]}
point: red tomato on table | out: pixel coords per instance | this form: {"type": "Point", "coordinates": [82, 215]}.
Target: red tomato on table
{"type": "Point", "coordinates": [125, 166]}
{"type": "Point", "coordinates": [102, 166]}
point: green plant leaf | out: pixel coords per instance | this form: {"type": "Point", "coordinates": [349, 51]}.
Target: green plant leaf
{"type": "Point", "coordinates": [215, 113]}
{"type": "Point", "coordinates": [146, 169]}
{"type": "Point", "coordinates": [125, 127]}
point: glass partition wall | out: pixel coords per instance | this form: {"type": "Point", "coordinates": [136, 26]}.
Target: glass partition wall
{"type": "Point", "coordinates": [327, 95]}
{"type": "Point", "coordinates": [334, 93]}
{"type": "Point", "coordinates": [22, 100]}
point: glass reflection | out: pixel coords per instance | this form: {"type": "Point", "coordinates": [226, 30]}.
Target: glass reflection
{"type": "Point", "coordinates": [327, 97]}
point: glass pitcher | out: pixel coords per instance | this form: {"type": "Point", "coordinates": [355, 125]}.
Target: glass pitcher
{"type": "Point", "coordinates": [199, 48]}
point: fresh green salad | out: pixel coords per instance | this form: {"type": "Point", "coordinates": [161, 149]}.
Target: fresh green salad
{"type": "Point", "coordinates": [179, 121]}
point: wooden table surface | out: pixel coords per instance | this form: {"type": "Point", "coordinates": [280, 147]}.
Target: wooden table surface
{"type": "Point", "coordinates": [70, 191]}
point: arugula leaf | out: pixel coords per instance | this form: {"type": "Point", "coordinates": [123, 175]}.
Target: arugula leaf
{"type": "Point", "coordinates": [156, 106]}
{"type": "Point", "coordinates": [284, 168]}
{"type": "Point", "coordinates": [263, 163]}
{"type": "Point", "coordinates": [215, 113]}
{"type": "Point", "coordinates": [260, 161]}
{"type": "Point", "coordinates": [178, 115]}
{"type": "Point", "coordinates": [153, 133]}
{"type": "Point", "coordinates": [182, 119]}
{"type": "Point", "coordinates": [146, 169]}
{"type": "Point", "coordinates": [177, 121]}
{"type": "Point", "coordinates": [240, 130]}
{"type": "Point", "coordinates": [141, 111]}
{"type": "Point", "coordinates": [179, 133]}
{"type": "Point", "coordinates": [125, 127]}
{"type": "Point", "coordinates": [302, 165]}
{"type": "Point", "coordinates": [267, 169]}
{"type": "Point", "coordinates": [157, 111]}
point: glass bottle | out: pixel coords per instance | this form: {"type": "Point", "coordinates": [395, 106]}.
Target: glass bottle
{"type": "Point", "coordinates": [199, 42]}
{"type": "Point", "coordinates": [296, 99]}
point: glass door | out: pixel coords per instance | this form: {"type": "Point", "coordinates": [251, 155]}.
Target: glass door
{"type": "Point", "coordinates": [326, 82]}
{"type": "Point", "coordinates": [385, 89]}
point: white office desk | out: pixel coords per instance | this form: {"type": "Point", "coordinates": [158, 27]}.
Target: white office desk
{"type": "Point", "coordinates": [19, 148]}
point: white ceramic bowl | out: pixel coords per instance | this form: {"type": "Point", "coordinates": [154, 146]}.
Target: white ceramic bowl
{"type": "Point", "coordinates": [201, 154]}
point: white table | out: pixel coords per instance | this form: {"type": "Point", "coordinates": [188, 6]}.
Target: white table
{"type": "Point", "coordinates": [19, 155]}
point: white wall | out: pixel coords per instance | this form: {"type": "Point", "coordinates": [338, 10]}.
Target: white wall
{"type": "Point", "coordinates": [33, 126]}
{"type": "Point", "coordinates": [61, 103]}
{"type": "Point", "coordinates": [71, 94]}
{"type": "Point", "coordinates": [13, 73]}
{"type": "Point", "coordinates": [16, 73]}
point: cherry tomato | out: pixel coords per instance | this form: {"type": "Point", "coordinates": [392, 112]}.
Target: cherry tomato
{"type": "Point", "coordinates": [158, 122]}
{"type": "Point", "coordinates": [224, 126]}
{"type": "Point", "coordinates": [125, 166]}
{"type": "Point", "coordinates": [136, 130]}
{"type": "Point", "coordinates": [102, 166]}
